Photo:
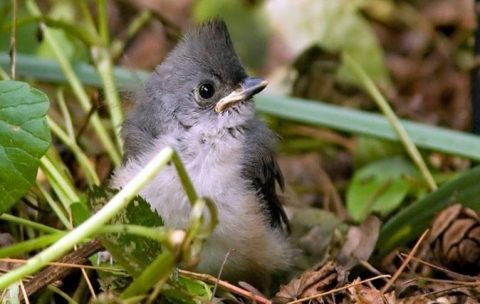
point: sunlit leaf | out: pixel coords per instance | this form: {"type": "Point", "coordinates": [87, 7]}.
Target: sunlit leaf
{"type": "Point", "coordinates": [24, 138]}
{"type": "Point", "coordinates": [131, 251]}
{"type": "Point", "coordinates": [380, 186]}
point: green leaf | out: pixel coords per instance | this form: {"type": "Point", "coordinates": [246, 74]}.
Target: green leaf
{"type": "Point", "coordinates": [72, 48]}
{"type": "Point", "coordinates": [187, 291]}
{"type": "Point", "coordinates": [410, 222]}
{"type": "Point", "coordinates": [370, 149]}
{"type": "Point", "coordinates": [133, 252]}
{"type": "Point", "coordinates": [380, 186]}
{"type": "Point", "coordinates": [158, 270]}
{"type": "Point", "coordinates": [24, 139]}
{"type": "Point", "coordinates": [80, 212]}
{"type": "Point", "coordinates": [295, 109]}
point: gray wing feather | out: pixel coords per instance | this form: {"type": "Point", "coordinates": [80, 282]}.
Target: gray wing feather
{"type": "Point", "coordinates": [263, 173]}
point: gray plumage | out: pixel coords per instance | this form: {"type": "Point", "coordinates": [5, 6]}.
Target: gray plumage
{"type": "Point", "coordinates": [228, 152]}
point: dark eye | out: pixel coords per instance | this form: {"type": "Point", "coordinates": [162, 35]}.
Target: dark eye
{"type": "Point", "coordinates": [206, 90]}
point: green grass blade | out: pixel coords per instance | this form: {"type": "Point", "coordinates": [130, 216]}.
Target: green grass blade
{"type": "Point", "coordinates": [411, 221]}
{"type": "Point", "coordinates": [294, 109]}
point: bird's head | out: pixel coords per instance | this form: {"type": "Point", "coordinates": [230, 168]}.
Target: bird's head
{"type": "Point", "coordinates": [202, 79]}
{"type": "Point", "coordinates": [200, 84]}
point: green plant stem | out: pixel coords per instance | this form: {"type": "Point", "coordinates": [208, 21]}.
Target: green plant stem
{"type": "Point", "coordinates": [137, 23]}
{"type": "Point", "coordinates": [185, 179]}
{"type": "Point", "coordinates": [63, 187]}
{"type": "Point", "coordinates": [62, 294]}
{"type": "Point", "coordinates": [158, 271]}
{"type": "Point", "coordinates": [65, 113]}
{"type": "Point", "coordinates": [392, 118]}
{"type": "Point", "coordinates": [295, 109]}
{"type": "Point", "coordinates": [103, 63]}
{"type": "Point", "coordinates": [76, 85]}
{"type": "Point", "coordinates": [159, 234]}
{"type": "Point", "coordinates": [82, 159]}
{"type": "Point", "coordinates": [32, 244]}
{"type": "Point", "coordinates": [87, 228]}
{"type": "Point", "coordinates": [103, 21]}
{"type": "Point", "coordinates": [59, 212]}
{"type": "Point", "coordinates": [21, 221]}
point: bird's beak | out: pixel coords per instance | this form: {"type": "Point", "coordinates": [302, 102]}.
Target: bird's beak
{"type": "Point", "coordinates": [247, 88]}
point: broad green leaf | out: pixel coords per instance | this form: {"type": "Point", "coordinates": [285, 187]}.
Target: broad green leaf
{"type": "Point", "coordinates": [370, 149]}
{"type": "Point", "coordinates": [187, 291]}
{"type": "Point", "coordinates": [381, 186]}
{"type": "Point", "coordinates": [411, 221]}
{"type": "Point", "coordinates": [24, 138]}
{"type": "Point", "coordinates": [80, 212]}
{"type": "Point", "coordinates": [71, 47]}
{"type": "Point", "coordinates": [133, 252]}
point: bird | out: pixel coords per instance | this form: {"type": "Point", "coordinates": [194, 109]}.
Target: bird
{"type": "Point", "coordinates": [199, 101]}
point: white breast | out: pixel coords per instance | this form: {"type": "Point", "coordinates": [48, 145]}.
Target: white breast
{"type": "Point", "coordinates": [214, 167]}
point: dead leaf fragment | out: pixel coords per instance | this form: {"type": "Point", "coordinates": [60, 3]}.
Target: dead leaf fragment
{"type": "Point", "coordinates": [360, 243]}
{"type": "Point", "coordinates": [310, 283]}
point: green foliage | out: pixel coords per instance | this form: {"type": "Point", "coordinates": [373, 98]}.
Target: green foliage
{"type": "Point", "coordinates": [370, 149]}
{"type": "Point", "coordinates": [336, 26]}
{"type": "Point", "coordinates": [187, 291]}
{"type": "Point", "coordinates": [80, 212]}
{"type": "Point", "coordinates": [414, 219]}
{"type": "Point", "coordinates": [379, 187]}
{"type": "Point", "coordinates": [72, 48]}
{"type": "Point", "coordinates": [27, 31]}
{"type": "Point", "coordinates": [133, 252]}
{"type": "Point", "coordinates": [24, 138]}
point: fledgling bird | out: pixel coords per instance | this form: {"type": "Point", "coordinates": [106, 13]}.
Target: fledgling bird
{"type": "Point", "coordinates": [199, 101]}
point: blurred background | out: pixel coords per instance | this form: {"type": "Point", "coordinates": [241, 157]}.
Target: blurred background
{"type": "Point", "coordinates": [419, 53]}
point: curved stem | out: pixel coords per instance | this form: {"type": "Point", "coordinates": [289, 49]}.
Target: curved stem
{"type": "Point", "coordinates": [87, 228]}
{"type": "Point", "coordinates": [393, 119]}
{"type": "Point", "coordinates": [82, 159]}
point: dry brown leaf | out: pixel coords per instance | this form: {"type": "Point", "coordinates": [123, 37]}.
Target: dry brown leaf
{"type": "Point", "coordinates": [360, 242]}
{"type": "Point", "coordinates": [310, 283]}
{"type": "Point", "coordinates": [362, 294]}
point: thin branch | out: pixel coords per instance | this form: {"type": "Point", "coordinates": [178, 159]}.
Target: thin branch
{"type": "Point", "coordinates": [55, 273]}
{"type": "Point", "coordinates": [382, 103]}
{"type": "Point", "coordinates": [87, 228]}
{"type": "Point", "coordinates": [405, 263]}
{"type": "Point", "coordinates": [230, 287]}
{"type": "Point", "coordinates": [316, 296]}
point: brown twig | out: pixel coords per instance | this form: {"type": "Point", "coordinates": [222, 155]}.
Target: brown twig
{"type": "Point", "coordinates": [232, 288]}
{"type": "Point", "coordinates": [24, 293]}
{"type": "Point", "coordinates": [442, 269]}
{"type": "Point", "coordinates": [316, 296]}
{"type": "Point", "coordinates": [220, 272]}
{"type": "Point", "coordinates": [86, 122]}
{"type": "Point", "coordinates": [405, 263]}
{"type": "Point", "coordinates": [52, 274]}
